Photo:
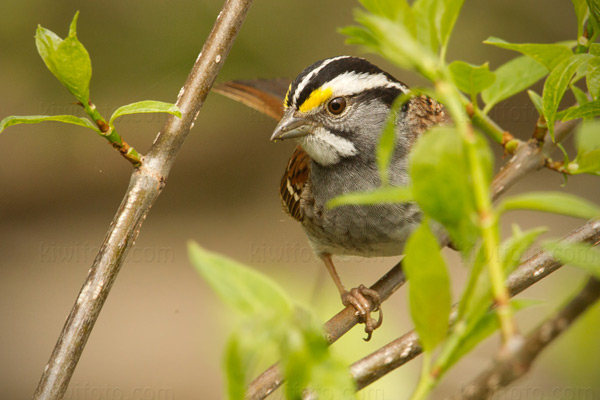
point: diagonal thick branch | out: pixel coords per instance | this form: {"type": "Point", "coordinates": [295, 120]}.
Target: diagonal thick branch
{"type": "Point", "coordinates": [515, 361]}
{"type": "Point", "coordinates": [527, 158]}
{"type": "Point", "coordinates": [145, 186]}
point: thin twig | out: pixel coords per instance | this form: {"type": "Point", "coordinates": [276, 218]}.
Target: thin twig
{"type": "Point", "coordinates": [515, 361]}
{"type": "Point", "coordinates": [407, 347]}
{"type": "Point", "coordinates": [145, 186]}
{"type": "Point", "coordinates": [530, 156]}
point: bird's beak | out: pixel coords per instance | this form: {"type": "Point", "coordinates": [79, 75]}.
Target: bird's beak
{"type": "Point", "coordinates": [291, 127]}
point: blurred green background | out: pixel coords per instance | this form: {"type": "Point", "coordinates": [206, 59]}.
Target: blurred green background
{"type": "Point", "coordinates": [162, 331]}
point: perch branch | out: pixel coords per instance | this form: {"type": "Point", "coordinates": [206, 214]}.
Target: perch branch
{"type": "Point", "coordinates": [145, 186]}
{"type": "Point", "coordinates": [515, 361]}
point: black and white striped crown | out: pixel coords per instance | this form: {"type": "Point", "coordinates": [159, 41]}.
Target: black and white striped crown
{"type": "Point", "coordinates": [343, 75]}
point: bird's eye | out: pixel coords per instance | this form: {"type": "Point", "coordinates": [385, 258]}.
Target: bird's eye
{"type": "Point", "coordinates": [336, 106]}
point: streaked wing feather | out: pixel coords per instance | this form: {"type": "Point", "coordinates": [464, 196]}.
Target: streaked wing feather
{"type": "Point", "coordinates": [293, 182]}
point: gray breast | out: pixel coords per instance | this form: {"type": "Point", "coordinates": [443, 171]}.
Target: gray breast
{"type": "Point", "coordinates": [368, 231]}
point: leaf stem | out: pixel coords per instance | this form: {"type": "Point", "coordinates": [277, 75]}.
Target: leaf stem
{"type": "Point", "coordinates": [112, 136]}
{"type": "Point", "coordinates": [486, 125]}
{"type": "Point", "coordinates": [426, 381]}
{"type": "Point", "coordinates": [487, 216]}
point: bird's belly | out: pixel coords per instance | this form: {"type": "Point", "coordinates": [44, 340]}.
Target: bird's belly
{"type": "Point", "coordinates": [367, 231]}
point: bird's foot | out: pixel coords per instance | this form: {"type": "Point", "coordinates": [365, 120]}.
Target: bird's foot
{"type": "Point", "coordinates": [359, 298]}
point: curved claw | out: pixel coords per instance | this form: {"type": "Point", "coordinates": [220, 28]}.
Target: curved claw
{"type": "Point", "coordinates": [358, 298]}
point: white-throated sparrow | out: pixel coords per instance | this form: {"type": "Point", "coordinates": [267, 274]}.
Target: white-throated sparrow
{"type": "Point", "coordinates": [336, 110]}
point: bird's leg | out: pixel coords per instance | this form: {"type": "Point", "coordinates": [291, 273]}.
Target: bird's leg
{"type": "Point", "coordinates": [358, 298]}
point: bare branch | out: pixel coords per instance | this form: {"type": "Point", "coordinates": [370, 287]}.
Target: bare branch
{"type": "Point", "coordinates": [515, 360]}
{"type": "Point", "coordinates": [145, 186]}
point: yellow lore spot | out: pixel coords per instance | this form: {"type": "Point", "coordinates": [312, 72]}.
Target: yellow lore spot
{"type": "Point", "coordinates": [316, 98]}
{"type": "Point", "coordinates": [287, 95]}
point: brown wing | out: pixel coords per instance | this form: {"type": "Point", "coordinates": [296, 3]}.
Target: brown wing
{"type": "Point", "coordinates": [293, 182]}
{"type": "Point", "coordinates": [264, 95]}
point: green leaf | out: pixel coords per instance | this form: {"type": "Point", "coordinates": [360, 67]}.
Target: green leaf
{"type": "Point", "coordinates": [307, 362]}
{"type": "Point", "coordinates": [536, 99]}
{"type": "Point", "coordinates": [580, 11]}
{"type": "Point", "coordinates": [387, 141]}
{"type": "Point", "coordinates": [441, 182]}
{"type": "Point", "coordinates": [387, 194]}
{"type": "Point", "coordinates": [146, 106]}
{"type": "Point", "coordinates": [593, 77]}
{"type": "Point", "coordinates": [474, 333]}
{"type": "Point", "coordinates": [553, 202]}
{"type": "Point", "coordinates": [447, 19]}
{"type": "Point", "coordinates": [514, 247]}
{"type": "Point", "coordinates": [580, 255]}
{"type": "Point", "coordinates": [236, 365]}
{"type": "Point", "coordinates": [35, 119]}
{"type": "Point", "coordinates": [587, 110]}
{"type": "Point", "coordinates": [477, 294]}
{"type": "Point", "coordinates": [67, 59]}
{"type": "Point", "coordinates": [429, 286]}
{"type": "Point", "coordinates": [471, 79]}
{"type": "Point", "coordinates": [395, 42]}
{"type": "Point", "coordinates": [549, 55]}
{"type": "Point", "coordinates": [594, 7]}
{"type": "Point", "coordinates": [388, 9]}
{"type": "Point", "coordinates": [426, 14]}
{"type": "Point", "coordinates": [587, 141]}
{"type": "Point", "coordinates": [580, 96]}
{"type": "Point", "coordinates": [556, 84]}
{"type": "Point", "coordinates": [513, 77]}
{"type": "Point", "coordinates": [241, 287]}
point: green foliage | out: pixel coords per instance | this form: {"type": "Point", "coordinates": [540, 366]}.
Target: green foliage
{"type": "Point", "coordinates": [146, 106]}
{"type": "Point", "coordinates": [35, 119]}
{"type": "Point", "coordinates": [593, 77]}
{"type": "Point", "coordinates": [429, 286]}
{"type": "Point", "coordinates": [586, 110]}
{"type": "Point", "coordinates": [549, 55]}
{"type": "Point", "coordinates": [67, 59]}
{"type": "Point", "coordinates": [556, 85]}
{"type": "Point", "coordinates": [438, 167]}
{"type": "Point", "coordinates": [587, 141]}
{"type": "Point", "coordinates": [594, 9]}
{"type": "Point", "coordinates": [581, 9]}
{"type": "Point", "coordinates": [471, 79]}
{"type": "Point", "coordinates": [515, 246]}
{"type": "Point", "coordinates": [536, 99]}
{"type": "Point", "coordinates": [70, 63]}
{"type": "Point", "coordinates": [387, 141]}
{"type": "Point", "coordinates": [580, 255]}
{"type": "Point", "coordinates": [553, 202]}
{"type": "Point", "coordinates": [425, 29]}
{"type": "Point", "coordinates": [511, 78]}
{"type": "Point", "coordinates": [467, 337]}
{"type": "Point", "coordinates": [270, 320]}
{"type": "Point", "coordinates": [388, 194]}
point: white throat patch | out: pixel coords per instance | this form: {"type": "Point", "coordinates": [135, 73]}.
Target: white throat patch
{"type": "Point", "coordinates": [326, 148]}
